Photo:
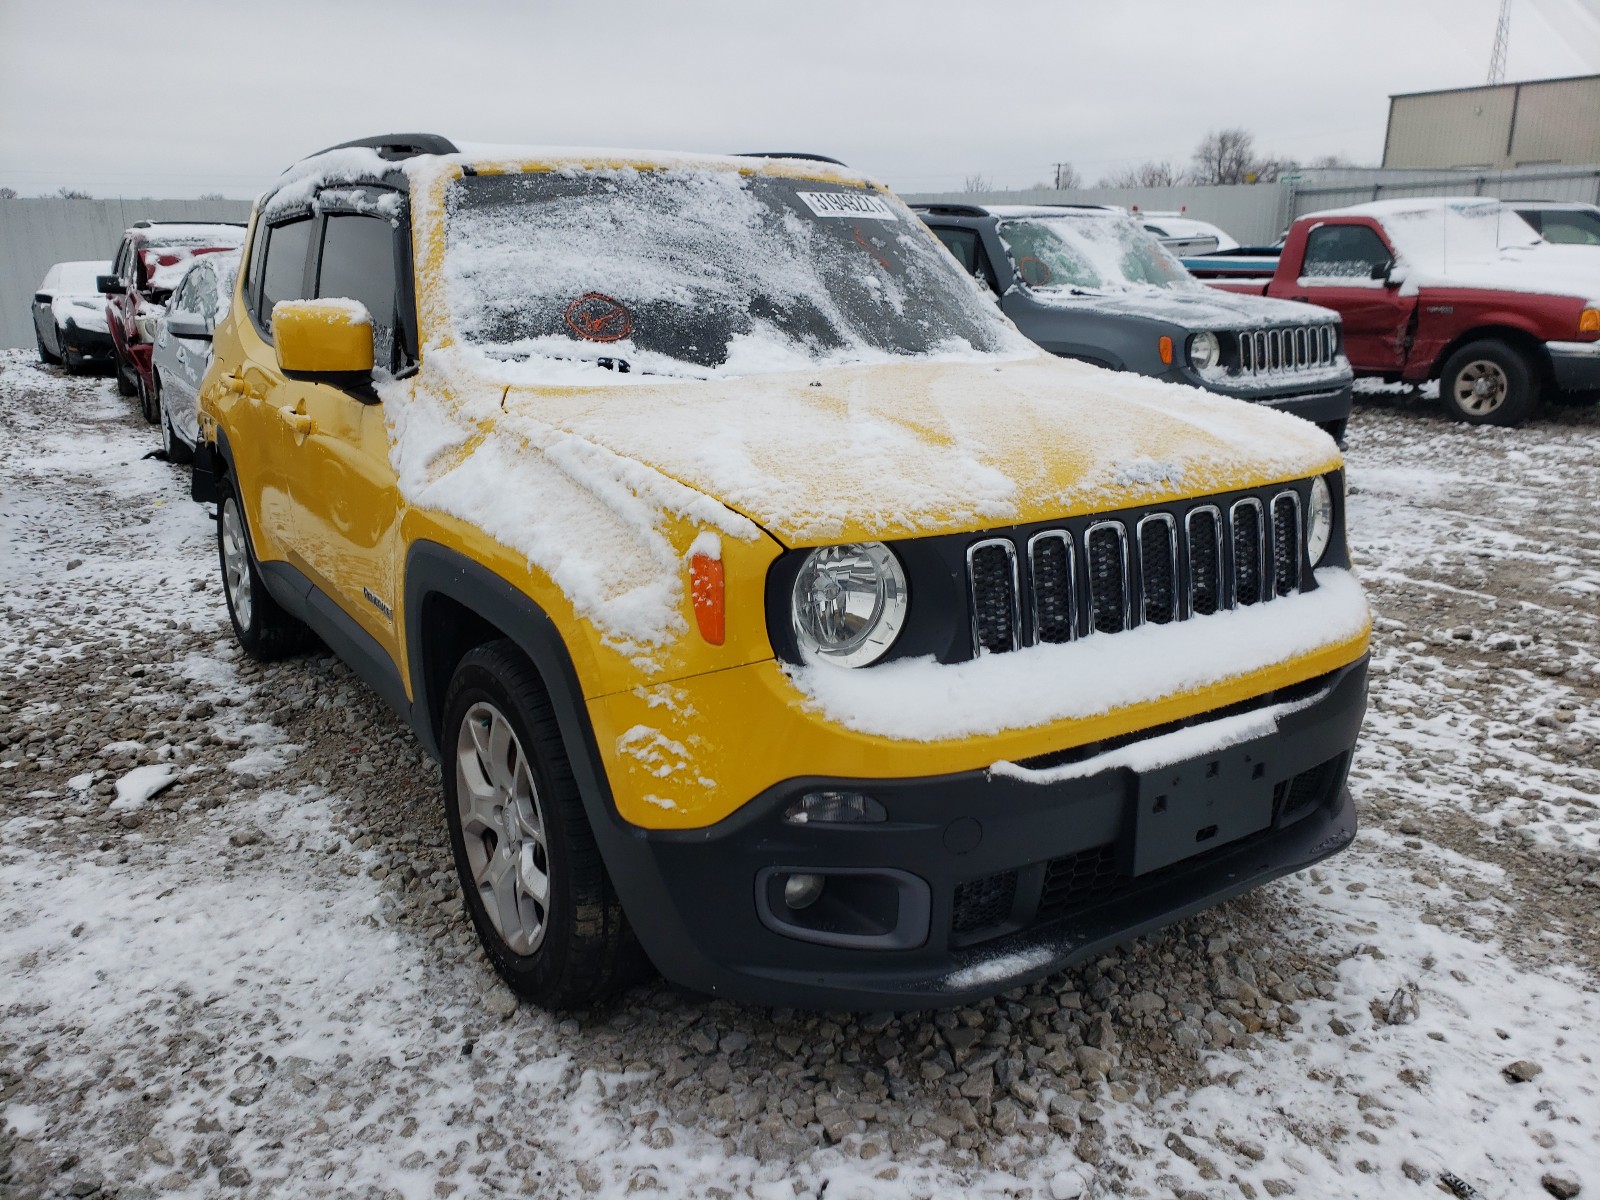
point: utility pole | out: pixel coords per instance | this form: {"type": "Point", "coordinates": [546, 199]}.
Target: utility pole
{"type": "Point", "coordinates": [1497, 57]}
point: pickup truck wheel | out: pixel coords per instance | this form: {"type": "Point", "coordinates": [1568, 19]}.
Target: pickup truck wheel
{"type": "Point", "coordinates": [530, 871]}
{"type": "Point", "coordinates": [148, 404]}
{"type": "Point", "coordinates": [264, 630]}
{"type": "Point", "coordinates": [1489, 383]}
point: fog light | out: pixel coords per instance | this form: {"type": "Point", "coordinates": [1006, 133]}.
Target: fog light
{"type": "Point", "coordinates": [834, 808]}
{"type": "Point", "coordinates": [802, 891]}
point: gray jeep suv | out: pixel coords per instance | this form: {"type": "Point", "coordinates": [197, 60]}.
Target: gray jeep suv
{"type": "Point", "coordinates": [1089, 283]}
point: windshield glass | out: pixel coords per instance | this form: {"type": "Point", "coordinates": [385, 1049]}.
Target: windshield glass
{"type": "Point", "coordinates": [701, 271]}
{"type": "Point", "coordinates": [1099, 253]}
{"type": "Point", "coordinates": [1571, 227]}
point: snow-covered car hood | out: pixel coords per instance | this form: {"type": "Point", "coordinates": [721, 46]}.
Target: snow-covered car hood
{"type": "Point", "coordinates": [86, 311]}
{"type": "Point", "coordinates": [884, 451]}
{"type": "Point", "coordinates": [1198, 308]}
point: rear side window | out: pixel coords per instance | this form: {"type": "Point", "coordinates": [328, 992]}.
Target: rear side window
{"type": "Point", "coordinates": [1340, 252]}
{"type": "Point", "coordinates": [358, 264]}
{"type": "Point", "coordinates": [283, 273]}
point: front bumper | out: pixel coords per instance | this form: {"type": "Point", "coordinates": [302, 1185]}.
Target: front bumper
{"type": "Point", "coordinates": [995, 881]}
{"type": "Point", "coordinates": [87, 344]}
{"type": "Point", "coordinates": [1325, 406]}
{"type": "Point", "coordinates": [1575, 365]}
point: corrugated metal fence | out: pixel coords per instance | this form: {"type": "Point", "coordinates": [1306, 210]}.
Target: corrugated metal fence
{"type": "Point", "coordinates": [1256, 214]}
{"type": "Point", "coordinates": [37, 233]}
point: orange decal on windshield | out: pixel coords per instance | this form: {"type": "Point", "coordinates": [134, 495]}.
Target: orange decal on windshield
{"type": "Point", "coordinates": [598, 318]}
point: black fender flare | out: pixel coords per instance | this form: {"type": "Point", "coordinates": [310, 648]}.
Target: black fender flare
{"type": "Point", "coordinates": [435, 572]}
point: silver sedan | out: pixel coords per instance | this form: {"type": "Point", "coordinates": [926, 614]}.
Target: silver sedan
{"type": "Point", "coordinates": [182, 347]}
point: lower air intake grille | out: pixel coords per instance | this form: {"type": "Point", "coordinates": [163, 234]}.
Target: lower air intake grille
{"type": "Point", "coordinates": [984, 902]}
{"type": "Point", "coordinates": [1079, 876]}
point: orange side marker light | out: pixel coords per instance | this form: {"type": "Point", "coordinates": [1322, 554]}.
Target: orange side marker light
{"type": "Point", "coordinates": [705, 587]}
{"type": "Point", "coordinates": [1166, 350]}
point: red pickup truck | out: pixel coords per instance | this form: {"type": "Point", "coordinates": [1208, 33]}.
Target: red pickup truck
{"type": "Point", "coordinates": [1459, 290]}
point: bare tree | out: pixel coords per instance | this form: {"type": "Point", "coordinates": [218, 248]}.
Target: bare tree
{"type": "Point", "coordinates": [67, 193]}
{"type": "Point", "coordinates": [1229, 156]}
{"type": "Point", "coordinates": [212, 196]}
{"type": "Point", "coordinates": [8, 193]}
{"type": "Point", "coordinates": [1146, 174]}
{"type": "Point", "coordinates": [1331, 160]}
{"type": "Point", "coordinates": [977, 183]}
{"type": "Point", "coordinates": [1067, 176]}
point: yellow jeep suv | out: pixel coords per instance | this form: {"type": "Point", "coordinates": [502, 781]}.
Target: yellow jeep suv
{"type": "Point", "coordinates": [777, 612]}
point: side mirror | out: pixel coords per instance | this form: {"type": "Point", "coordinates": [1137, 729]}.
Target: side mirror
{"type": "Point", "coordinates": [323, 337]}
{"type": "Point", "coordinates": [42, 297]}
{"type": "Point", "coordinates": [110, 285]}
{"type": "Point", "coordinates": [188, 325]}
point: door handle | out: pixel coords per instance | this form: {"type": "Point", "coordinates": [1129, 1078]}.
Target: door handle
{"type": "Point", "coordinates": [232, 383]}
{"type": "Point", "coordinates": [297, 421]}
{"type": "Point", "coordinates": [1301, 299]}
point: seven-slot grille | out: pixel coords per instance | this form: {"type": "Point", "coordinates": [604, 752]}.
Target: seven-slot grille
{"type": "Point", "coordinates": [1136, 570]}
{"type": "Point", "coordinates": [1287, 348]}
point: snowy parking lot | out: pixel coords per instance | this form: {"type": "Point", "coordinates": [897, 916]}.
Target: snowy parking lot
{"type": "Point", "coordinates": [233, 960]}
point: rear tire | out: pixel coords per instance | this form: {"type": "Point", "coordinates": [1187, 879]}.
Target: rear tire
{"type": "Point", "coordinates": [1489, 383]}
{"type": "Point", "coordinates": [149, 405]}
{"type": "Point", "coordinates": [127, 377]}
{"type": "Point", "coordinates": [263, 628]}
{"type": "Point", "coordinates": [530, 872]}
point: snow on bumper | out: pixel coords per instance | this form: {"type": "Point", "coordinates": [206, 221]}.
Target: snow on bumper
{"type": "Point", "coordinates": [922, 700]}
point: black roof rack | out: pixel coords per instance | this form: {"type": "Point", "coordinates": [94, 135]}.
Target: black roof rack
{"type": "Point", "coordinates": [148, 224]}
{"type": "Point", "coordinates": [800, 154]}
{"type": "Point", "coordinates": [951, 210]}
{"type": "Point", "coordinates": [396, 146]}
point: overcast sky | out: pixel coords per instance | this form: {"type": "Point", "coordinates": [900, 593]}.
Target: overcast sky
{"type": "Point", "coordinates": [173, 98]}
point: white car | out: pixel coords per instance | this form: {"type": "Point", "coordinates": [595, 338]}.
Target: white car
{"type": "Point", "coordinates": [182, 347]}
{"type": "Point", "coordinates": [69, 316]}
{"type": "Point", "coordinates": [1184, 235]}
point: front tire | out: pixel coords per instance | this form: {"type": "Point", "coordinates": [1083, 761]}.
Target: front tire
{"type": "Point", "coordinates": [263, 628]}
{"type": "Point", "coordinates": [530, 871]}
{"type": "Point", "coordinates": [50, 360]}
{"type": "Point", "coordinates": [1489, 383]}
{"type": "Point", "coordinates": [176, 449]}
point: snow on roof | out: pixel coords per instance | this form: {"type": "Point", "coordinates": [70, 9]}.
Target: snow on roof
{"type": "Point", "coordinates": [74, 278]}
{"type": "Point", "coordinates": [1472, 241]}
{"type": "Point", "coordinates": [175, 233]}
{"type": "Point", "coordinates": [1054, 210]}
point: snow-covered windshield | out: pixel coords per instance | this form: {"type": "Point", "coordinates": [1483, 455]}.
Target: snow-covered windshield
{"type": "Point", "coordinates": [1090, 253]}
{"type": "Point", "coordinates": [701, 271]}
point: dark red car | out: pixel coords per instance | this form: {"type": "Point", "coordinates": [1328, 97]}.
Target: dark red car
{"type": "Point", "coordinates": [152, 258]}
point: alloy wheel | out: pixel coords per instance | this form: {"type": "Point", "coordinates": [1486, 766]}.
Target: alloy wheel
{"type": "Point", "coordinates": [502, 827]}
{"type": "Point", "coordinates": [1481, 387]}
{"type": "Point", "coordinates": [236, 563]}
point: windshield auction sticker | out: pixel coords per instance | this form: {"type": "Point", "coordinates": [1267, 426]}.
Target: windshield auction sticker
{"type": "Point", "coordinates": [848, 204]}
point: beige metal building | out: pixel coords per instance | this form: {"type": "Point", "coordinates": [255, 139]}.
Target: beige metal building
{"type": "Point", "coordinates": [1542, 122]}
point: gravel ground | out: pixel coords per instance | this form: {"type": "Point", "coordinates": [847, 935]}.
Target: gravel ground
{"type": "Point", "coordinates": [233, 960]}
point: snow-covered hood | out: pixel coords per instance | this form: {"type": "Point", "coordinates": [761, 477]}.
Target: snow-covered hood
{"type": "Point", "coordinates": [1541, 270]}
{"type": "Point", "coordinates": [85, 311]}
{"type": "Point", "coordinates": [917, 448]}
{"type": "Point", "coordinates": [1196, 309]}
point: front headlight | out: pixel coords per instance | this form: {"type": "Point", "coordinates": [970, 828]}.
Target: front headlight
{"type": "Point", "coordinates": [1205, 352]}
{"type": "Point", "coordinates": [1319, 520]}
{"type": "Point", "coordinates": [849, 602]}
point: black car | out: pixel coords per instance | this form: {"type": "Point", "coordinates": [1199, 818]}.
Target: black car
{"type": "Point", "coordinates": [1087, 282]}
{"type": "Point", "coordinates": [69, 316]}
